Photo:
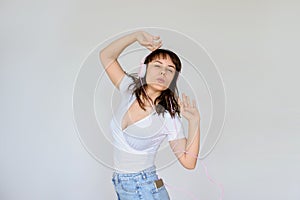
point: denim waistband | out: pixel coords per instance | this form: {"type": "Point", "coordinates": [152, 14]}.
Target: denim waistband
{"type": "Point", "coordinates": [136, 175]}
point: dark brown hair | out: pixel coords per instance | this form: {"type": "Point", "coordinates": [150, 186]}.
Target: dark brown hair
{"type": "Point", "coordinates": [167, 100]}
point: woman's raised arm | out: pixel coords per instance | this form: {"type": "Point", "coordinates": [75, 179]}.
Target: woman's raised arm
{"type": "Point", "coordinates": [109, 55]}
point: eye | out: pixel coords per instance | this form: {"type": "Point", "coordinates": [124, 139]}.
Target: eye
{"type": "Point", "coordinates": [171, 70]}
{"type": "Point", "coordinates": [156, 66]}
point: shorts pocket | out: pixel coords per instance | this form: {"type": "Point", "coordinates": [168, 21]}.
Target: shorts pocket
{"type": "Point", "coordinates": [128, 186]}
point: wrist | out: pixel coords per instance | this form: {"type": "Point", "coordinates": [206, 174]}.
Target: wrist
{"type": "Point", "coordinates": [136, 34]}
{"type": "Point", "coordinates": [194, 121]}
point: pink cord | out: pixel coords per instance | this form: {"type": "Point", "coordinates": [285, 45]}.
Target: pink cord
{"type": "Point", "coordinates": [220, 186]}
{"type": "Point", "coordinates": [190, 194]}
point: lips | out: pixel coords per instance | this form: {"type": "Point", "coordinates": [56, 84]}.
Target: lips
{"type": "Point", "coordinates": [160, 80]}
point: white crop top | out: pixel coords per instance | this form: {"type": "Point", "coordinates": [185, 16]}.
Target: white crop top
{"type": "Point", "coordinates": [135, 147]}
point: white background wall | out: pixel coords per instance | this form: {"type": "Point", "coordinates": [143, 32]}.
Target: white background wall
{"type": "Point", "coordinates": [255, 45]}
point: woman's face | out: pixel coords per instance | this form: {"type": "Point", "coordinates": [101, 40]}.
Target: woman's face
{"type": "Point", "coordinates": [160, 73]}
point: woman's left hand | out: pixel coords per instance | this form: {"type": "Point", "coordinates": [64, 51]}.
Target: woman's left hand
{"type": "Point", "coordinates": [189, 109]}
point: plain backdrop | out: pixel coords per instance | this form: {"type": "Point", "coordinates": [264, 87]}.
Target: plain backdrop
{"type": "Point", "coordinates": [255, 45]}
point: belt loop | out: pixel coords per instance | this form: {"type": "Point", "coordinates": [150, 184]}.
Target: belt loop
{"type": "Point", "coordinates": [116, 178]}
{"type": "Point", "coordinates": [143, 175]}
{"type": "Point", "coordinates": [113, 178]}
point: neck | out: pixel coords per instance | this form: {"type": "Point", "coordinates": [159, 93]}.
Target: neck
{"type": "Point", "coordinates": [152, 94]}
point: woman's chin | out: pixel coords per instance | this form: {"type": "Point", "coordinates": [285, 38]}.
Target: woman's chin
{"type": "Point", "coordinates": [158, 86]}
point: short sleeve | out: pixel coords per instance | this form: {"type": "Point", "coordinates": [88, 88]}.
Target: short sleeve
{"type": "Point", "coordinates": [173, 127]}
{"type": "Point", "coordinates": [125, 82]}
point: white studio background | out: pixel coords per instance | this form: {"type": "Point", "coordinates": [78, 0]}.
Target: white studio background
{"type": "Point", "coordinates": [254, 44]}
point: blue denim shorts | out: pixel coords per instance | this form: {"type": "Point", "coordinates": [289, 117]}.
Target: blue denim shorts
{"type": "Point", "coordinates": [140, 185]}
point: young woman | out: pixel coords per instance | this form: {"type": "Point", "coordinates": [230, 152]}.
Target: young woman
{"type": "Point", "coordinates": [148, 113]}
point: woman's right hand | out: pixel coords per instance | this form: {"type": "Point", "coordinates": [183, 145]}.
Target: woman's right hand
{"type": "Point", "coordinates": [149, 41]}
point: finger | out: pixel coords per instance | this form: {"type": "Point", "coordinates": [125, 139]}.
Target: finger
{"type": "Point", "coordinates": [146, 44]}
{"type": "Point", "coordinates": [194, 103]}
{"type": "Point", "coordinates": [183, 100]}
{"type": "Point", "coordinates": [156, 48]}
{"type": "Point", "coordinates": [150, 47]}
{"type": "Point", "coordinates": [188, 101]}
{"type": "Point", "coordinates": [160, 44]}
{"type": "Point", "coordinates": [180, 104]}
{"type": "Point", "coordinates": [157, 45]}
{"type": "Point", "coordinates": [179, 101]}
{"type": "Point", "coordinates": [156, 37]}
{"type": "Point", "coordinates": [190, 110]}
{"type": "Point", "coordinates": [156, 41]}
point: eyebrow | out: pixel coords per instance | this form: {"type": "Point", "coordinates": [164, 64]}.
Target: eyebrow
{"type": "Point", "coordinates": [168, 65]}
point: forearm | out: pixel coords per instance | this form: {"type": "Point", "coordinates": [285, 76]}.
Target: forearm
{"type": "Point", "coordinates": [192, 144]}
{"type": "Point", "coordinates": [114, 49]}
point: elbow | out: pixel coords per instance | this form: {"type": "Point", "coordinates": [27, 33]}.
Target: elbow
{"type": "Point", "coordinates": [107, 53]}
{"type": "Point", "coordinates": [102, 54]}
{"type": "Point", "coordinates": [190, 166]}
{"type": "Point", "coordinates": [106, 57]}
{"type": "Point", "coordinates": [188, 163]}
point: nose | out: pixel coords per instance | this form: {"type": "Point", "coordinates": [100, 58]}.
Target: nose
{"type": "Point", "coordinates": [162, 72]}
